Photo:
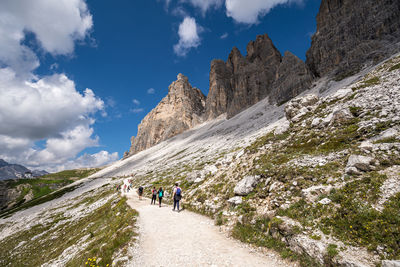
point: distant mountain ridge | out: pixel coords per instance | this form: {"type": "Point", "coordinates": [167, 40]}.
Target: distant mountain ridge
{"type": "Point", "coordinates": [350, 36]}
{"type": "Point", "coordinates": [15, 171]}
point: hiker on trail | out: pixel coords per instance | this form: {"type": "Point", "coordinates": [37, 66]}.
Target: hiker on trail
{"type": "Point", "coordinates": [160, 195]}
{"type": "Point", "coordinates": [177, 195]}
{"type": "Point", "coordinates": [154, 196]}
{"type": "Point", "coordinates": [140, 192]}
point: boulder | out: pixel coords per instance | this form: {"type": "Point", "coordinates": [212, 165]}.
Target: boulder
{"type": "Point", "coordinates": [325, 201]}
{"type": "Point", "coordinates": [341, 116]}
{"type": "Point", "coordinates": [246, 185]}
{"type": "Point", "coordinates": [387, 263]}
{"type": "Point", "coordinates": [366, 145]}
{"type": "Point", "coordinates": [282, 127]}
{"type": "Point", "coordinates": [237, 200]}
{"type": "Point", "coordinates": [298, 107]}
{"type": "Point", "coordinates": [389, 133]}
{"type": "Point", "coordinates": [361, 163]}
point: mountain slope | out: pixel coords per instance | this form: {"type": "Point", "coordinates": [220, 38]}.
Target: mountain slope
{"type": "Point", "coordinates": [13, 171]}
{"type": "Point", "coordinates": [314, 175]}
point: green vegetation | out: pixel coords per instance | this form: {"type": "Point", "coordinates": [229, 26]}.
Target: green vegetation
{"type": "Point", "coordinates": [367, 83]}
{"type": "Point", "coordinates": [356, 111]}
{"type": "Point", "coordinates": [331, 251]}
{"type": "Point", "coordinates": [259, 235]}
{"type": "Point", "coordinates": [71, 174]}
{"type": "Point", "coordinates": [36, 201]}
{"type": "Point", "coordinates": [395, 67]}
{"type": "Point", "coordinates": [41, 187]}
{"type": "Point", "coordinates": [104, 231]}
{"type": "Point", "coordinates": [351, 217]}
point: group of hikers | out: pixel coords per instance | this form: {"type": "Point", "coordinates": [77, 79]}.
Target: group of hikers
{"type": "Point", "coordinates": [177, 195]}
{"type": "Point", "coordinates": [126, 187]}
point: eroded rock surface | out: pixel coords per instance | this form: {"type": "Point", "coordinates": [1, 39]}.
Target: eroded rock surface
{"type": "Point", "coordinates": [179, 111]}
{"type": "Point", "coordinates": [242, 81]}
{"type": "Point", "coordinates": [351, 33]}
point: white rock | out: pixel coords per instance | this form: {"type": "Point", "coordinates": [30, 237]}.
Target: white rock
{"type": "Point", "coordinates": [389, 133]}
{"type": "Point", "coordinates": [235, 200]}
{"type": "Point", "coordinates": [246, 185]}
{"type": "Point", "coordinates": [362, 163]}
{"type": "Point", "coordinates": [327, 120]}
{"type": "Point", "coordinates": [282, 127]}
{"type": "Point", "coordinates": [316, 122]}
{"type": "Point", "coordinates": [340, 116]}
{"type": "Point", "coordinates": [387, 263]}
{"type": "Point", "coordinates": [325, 201]}
{"type": "Point", "coordinates": [274, 186]}
{"type": "Point", "coordinates": [367, 145]}
{"type": "Point", "coordinates": [211, 169]}
{"type": "Point", "coordinates": [340, 94]}
{"type": "Point", "coordinates": [241, 152]}
{"type": "Point", "coordinates": [199, 180]}
{"type": "Point", "coordinates": [298, 107]}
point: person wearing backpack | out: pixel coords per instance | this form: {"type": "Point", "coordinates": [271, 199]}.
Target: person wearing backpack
{"type": "Point", "coordinates": [160, 195]}
{"type": "Point", "coordinates": [177, 196]}
{"type": "Point", "coordinates": [154, 195]}
{"type": "Point", "coordinates": [140, 192]}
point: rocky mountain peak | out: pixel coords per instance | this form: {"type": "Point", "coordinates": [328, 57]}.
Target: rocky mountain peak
{"type": "Point", "coordinates": [263, 49]}
{"type": "Point", "coordinates": [235, 59]}
{"type": "Point", "coordinates": [243, 81]}
{"type": "Point", "coordinates": [179, 111]}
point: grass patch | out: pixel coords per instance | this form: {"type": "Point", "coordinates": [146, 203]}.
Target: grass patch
{"type": "Point", "coordinates": [351, 217]}
{"type": "Point", "coordinates": [259, 235]}
{"type": "Point", "coordinates": [395, 67]}
{"type": "Point", "coordinates": [37, 201]}
{"type": "Point", "coordinates": [68, 174]}
{"type": "Point", "coordinates": [105, 231]}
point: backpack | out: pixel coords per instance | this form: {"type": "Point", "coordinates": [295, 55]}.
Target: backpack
{"type": "Point", "coordinates": [178, 192]}
{"type": "Point", "coordinates": [160, 194]}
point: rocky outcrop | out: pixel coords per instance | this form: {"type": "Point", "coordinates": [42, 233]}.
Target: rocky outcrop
{"type": "Point", "coordinates": [179, 111]}
{"type": "Point", "coordinates": [246, 185]}
{"type": "Point", "coordinates": [358, 163]}
{"type": "Point", "coordinates": [243, 81]}
{"type": "Point", "coordinates": [352, 33]}
{"type": "Point", "coordinates": [300, 106]}
{"type": "Point", "coordinates": [292, 78]}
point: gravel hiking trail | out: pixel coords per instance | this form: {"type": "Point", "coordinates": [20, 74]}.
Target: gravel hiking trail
{"type": "Point", "coordinates": [168, 238]}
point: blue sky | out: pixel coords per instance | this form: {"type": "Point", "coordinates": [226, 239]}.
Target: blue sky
{"type": "Point", "coordinates": [124, 53]}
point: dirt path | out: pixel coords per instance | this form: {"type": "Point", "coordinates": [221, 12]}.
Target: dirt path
{"type": "Point", "coordinates": [170, 238]}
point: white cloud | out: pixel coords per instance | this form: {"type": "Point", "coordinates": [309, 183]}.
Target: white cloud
{"type": "Point", "coordinates": [188, 36]}
{"type": "Point", "coordinates": [137, 110]}
{"type": "Point", "coordinates": [56, 25]}
{"type": "Point", "coordinates": [166, 3]}
{"type": "Point", "coordinates": [179, 11]}
{"type": "Point", "coordinates": [249, 11]}
{"type": "Point", "coordinates": [151, 91]}
{"type": "Point", "coordinates": [48, 109]}
{"type": "Point", "coordinates": [204, 5]}
{"type": "Point", "coordinates": [136, 102]}
{"type": "Point", "coordinates": [224, 36]}
{"type": "Point", "coordinates": [88, 160]}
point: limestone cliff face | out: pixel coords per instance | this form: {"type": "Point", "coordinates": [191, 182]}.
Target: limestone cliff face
{"type": "Point", "coordinates": [180, 110]}
{"type": "Point", "coordinates": [243, 81]}
{"type": "Point", "coordinates": [351, 33]}
{"type": "Point", "coordinates": [292, 78]}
